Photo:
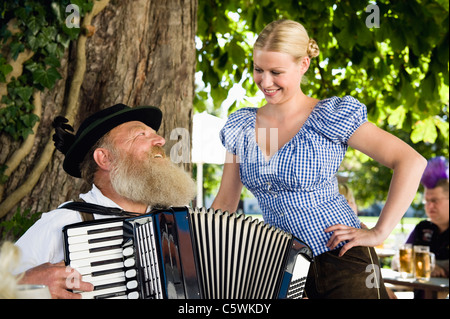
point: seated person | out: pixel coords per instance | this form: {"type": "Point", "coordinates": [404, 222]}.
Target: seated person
{"type": "Point", "coordinates": [433, 232]}
{"type": "Point", "coordinates": [119, 153]}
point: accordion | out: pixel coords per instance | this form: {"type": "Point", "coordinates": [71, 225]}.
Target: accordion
{"type": "Point", "coordinates": [180, 253]}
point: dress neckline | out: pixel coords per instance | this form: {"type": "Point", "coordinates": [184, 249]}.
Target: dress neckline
{"type": "Point", "coordinates": [266, 158]}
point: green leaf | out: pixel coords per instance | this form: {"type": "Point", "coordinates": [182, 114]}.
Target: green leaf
{"type": "Point", "coordinates": [33, 25]}
{"type": "Point", "coordinates": [29, 119]}
{"type": "Point", "coordinates": [52, 48]}
{"type": "Point", "coordinates": [16, 48]}
{"type": "Point", "coordinates": [429, 87]}
{"type": "Point", "coordinates": [5, 69]}
{"type": "Point", "coordinates": [443, 127]}
{"type": "Point", "coordinates": [223, 60]}
{"type": "Point", "coordinates": [49, 33]}
{"type": "Point", "coordinates": [47, 78]}
{"type": "Point", "coordinates": [237, 53]}
{"type": "Point", "coordinates": [397, 117]}
{"type": "Point", "coordinates": [425, 131]}
{"type": "Point", "coordinates": [24, 92]}
{"type": "Point", "coordinates": [52, 61]}
{"type": "Point", "coordinates": [407, 91]}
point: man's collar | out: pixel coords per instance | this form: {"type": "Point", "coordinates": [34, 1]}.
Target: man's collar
{"type": "Point", "coordinates": [95, 196]}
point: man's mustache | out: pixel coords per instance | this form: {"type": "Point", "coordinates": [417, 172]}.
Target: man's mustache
{"type": "Point", "coordinates": [156, 151]}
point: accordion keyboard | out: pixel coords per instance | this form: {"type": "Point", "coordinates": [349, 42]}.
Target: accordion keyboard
{"type": "Point", "coordinates": [298, 281]}
{"type": "Point", "coordinates": [187, 253]}
{"type": "Point", "coordinates": [96, 251]}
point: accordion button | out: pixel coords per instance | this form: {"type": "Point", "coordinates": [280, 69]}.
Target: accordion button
{"type": "Point", "coordinates": [130, 273]}
{"type": "Point", "coordinates": [133, 295]}
{"type": "Point", "coordinates": [132, 284]}
{"type": "Point", "coordinates": [129, 262]}
{"type": "Point", "coordinates": [128, 251]}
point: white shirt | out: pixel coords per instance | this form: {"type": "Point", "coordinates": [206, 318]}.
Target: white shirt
{"type": "Point", "coordinates": [43, 242]}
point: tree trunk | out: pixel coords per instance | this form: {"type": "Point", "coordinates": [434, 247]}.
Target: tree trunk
{"type": "Point", "coordinates": [142, 53]}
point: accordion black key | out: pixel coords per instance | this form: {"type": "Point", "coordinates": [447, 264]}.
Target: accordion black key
{"type": "Point", "coordinates": [188, 253]}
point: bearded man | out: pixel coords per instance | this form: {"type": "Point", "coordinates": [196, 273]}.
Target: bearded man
{"type": "Point", "coordinates": [119, 153]}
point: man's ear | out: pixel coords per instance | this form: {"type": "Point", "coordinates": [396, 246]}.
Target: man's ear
{"type": "Point", "coordinates": [103, 158]}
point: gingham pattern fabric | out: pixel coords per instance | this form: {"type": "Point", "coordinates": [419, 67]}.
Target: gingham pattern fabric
{"type": "Point", "coordinates": [297, 187]}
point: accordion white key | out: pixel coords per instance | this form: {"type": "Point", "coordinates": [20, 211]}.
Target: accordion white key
{"type": "Point", "coordinates": [188, 253]}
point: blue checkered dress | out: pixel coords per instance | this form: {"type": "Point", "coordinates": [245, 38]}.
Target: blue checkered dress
{"type": "Point", "coordinates": [297, 188]}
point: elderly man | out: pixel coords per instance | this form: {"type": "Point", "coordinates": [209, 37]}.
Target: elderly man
{"type": "Point", "coordinates": [118, 152]}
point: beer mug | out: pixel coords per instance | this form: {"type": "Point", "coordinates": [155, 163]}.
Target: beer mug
{"type": "Point", "coordinates": [424, 262]}
{"type": "Point", "coordinates": [406, 266]}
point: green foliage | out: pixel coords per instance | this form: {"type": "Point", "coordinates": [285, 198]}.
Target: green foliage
{"type": "Point", "coordinates": [17, 118]}
{"type": "Point", "coordinates": [42, 30]}
{"type": "Point", "coordinates": [399, 70]}
{"type": "Point", "coordinates": [39, 27]}
{"type": "Point", "coordinates": [18, 224]}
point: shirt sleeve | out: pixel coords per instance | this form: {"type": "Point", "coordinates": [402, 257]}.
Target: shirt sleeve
{"type": "Point", "coordinates": [339, 118]}
{"type": "Point", "coordinates": [236, 128]}
{"type": "Point", "coordinates": [43, 242]}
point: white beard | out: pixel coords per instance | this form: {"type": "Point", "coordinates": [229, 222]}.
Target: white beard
{"type": "Point", "coordinates": [156, 182]}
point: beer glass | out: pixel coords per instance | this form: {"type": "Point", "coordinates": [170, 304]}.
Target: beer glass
{"type": "Point", "coordinates": [406, 261]}
{"type": "Point", "coordinates": [424, 262]}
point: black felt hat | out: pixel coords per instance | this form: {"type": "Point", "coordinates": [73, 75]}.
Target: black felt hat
{"type": "Point", "coordinates": [75, 147]}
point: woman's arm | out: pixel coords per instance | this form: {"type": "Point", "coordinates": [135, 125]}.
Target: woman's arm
{"type": "Point", "coordinates": [407, 166]}
{"type": "Point", "coordinates": [227, 198]}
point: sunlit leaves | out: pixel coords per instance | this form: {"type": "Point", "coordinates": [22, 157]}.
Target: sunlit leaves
{"type": "Point", "coordinates": [39, 27]}
{"type": "Point", "coordinates": [402, 64]}
{"type": "Point", "coordinates": [399, 70]}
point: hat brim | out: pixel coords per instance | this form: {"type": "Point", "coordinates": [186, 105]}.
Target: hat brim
{"type": "Point", "coordinates": [148, 115]}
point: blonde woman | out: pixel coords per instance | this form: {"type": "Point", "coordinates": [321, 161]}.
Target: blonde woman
{"type": "Point", "coordinates": [287, 154]}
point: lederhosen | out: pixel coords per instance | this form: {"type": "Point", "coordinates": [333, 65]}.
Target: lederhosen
{"type": "Point", "coordinates": [356, 275]}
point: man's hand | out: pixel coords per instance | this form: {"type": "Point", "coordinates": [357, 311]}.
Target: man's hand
{"type": "Point", "coordinates": [59, 278]}
{"type": "Point", "coordinates": [439, 272]}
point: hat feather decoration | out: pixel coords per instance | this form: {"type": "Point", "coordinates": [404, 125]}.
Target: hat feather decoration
{"type": "Point", "coordinates": [437, 169]}
{"type": "Point", "coordinates": [63, 138]}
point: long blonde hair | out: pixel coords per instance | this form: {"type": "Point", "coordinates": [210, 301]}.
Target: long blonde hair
{"type": "Point", "coordinates": [287, 36]}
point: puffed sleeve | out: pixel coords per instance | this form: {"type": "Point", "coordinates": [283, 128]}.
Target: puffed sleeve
{"type": "Point", "coordinates": [237, 128]}
{"type": "Point", "coordinates": [338, 118]}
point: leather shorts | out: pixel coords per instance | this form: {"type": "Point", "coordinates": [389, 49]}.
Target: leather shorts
{"type": "Point", "coordinates": [356, 275]}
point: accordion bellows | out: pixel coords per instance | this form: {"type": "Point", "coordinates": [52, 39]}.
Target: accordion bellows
{"type": "Point", "coordinates": [188, 253]}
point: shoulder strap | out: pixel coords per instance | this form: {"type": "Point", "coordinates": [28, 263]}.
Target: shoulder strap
{"type": "Point", "coordinates": [86, 217]}
{"type": "Point", "coordinates": [87, 210]}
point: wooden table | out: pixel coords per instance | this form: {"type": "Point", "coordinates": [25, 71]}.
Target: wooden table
{"type": "Point", "coordinates": [431, 287]}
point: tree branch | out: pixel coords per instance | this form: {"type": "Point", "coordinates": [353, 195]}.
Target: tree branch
{"type": "Point", "coordinates": [80, 66]}
{"type": "Point", "coordinates": [47, 154]}
{"type": "Point", "coordinates": [14, 161]}
{"type": "Point", "coordinates": [17, 64]}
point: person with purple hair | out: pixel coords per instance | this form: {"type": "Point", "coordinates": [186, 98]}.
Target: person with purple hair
{"type": "Point", "coordinates": [433, 232]}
